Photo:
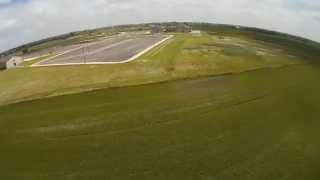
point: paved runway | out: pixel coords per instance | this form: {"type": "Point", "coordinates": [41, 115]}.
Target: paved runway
{"type": "Point", "coordinates": [115, 49]}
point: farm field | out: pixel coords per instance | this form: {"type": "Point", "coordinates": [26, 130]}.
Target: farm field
{"type": "Point", "coordinates": [261, 124]}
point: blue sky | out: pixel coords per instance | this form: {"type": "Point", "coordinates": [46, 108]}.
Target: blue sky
{"type": "Point", "coordinates": [25, 21]}
{"type": "Point", "coordinates": [304, 5]}
{"type": "Point", "coordinates": [6, 3]}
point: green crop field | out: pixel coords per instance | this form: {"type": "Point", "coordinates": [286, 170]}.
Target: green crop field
{"type": "Point", "coordinates": [222, 105]}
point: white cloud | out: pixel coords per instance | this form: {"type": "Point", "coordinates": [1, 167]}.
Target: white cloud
{"type": "Point", "coordinates": [8, 23]}
{"type": "Point", "coordinates": [37, 19]}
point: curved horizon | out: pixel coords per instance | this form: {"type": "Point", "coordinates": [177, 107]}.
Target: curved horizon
{"type": "Point", "coordinates": [45, 38]}
{"type": "Point", "coordinates": [25, 21]}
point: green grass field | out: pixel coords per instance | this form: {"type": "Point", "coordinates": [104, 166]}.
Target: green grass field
{"type": "Point", "coordinates": [256, 125]}
{"type": "Point", "coordinates": [223, 105]}
{"type": "Point", "coordinates": [185, 56]}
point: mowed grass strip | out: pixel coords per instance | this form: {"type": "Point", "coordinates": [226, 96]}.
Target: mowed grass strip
{"type": "Point", "coordinates": [256, 125]}
{"type": "Point", "coordinates": [186, 56]}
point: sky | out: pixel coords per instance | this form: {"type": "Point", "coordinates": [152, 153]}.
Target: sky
{"type": "Point", "coordinates": [23, 21]}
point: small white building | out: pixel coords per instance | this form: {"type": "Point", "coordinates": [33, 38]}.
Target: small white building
{"type": "Point", "coordinates": [196, 33]}
{"type": "Point", "coordinates": [14, 62]}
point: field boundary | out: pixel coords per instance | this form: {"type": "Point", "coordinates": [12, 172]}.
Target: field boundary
{"type": "Point", "coordinates": [101, 63]}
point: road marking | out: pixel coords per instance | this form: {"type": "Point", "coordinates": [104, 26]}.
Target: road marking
{"type": "Point", "coordinates": [109, 47]}
{"type": "Point", "coordinates": [100, 63]}
{"type": "Point", "coordinates": [71, 50]}
{"type": "Point", "coordinates": [68, 51]}
{"type": "Point", "coordinates": [148, 49]}
{"type": "Point", "coordinates": [95, 51]}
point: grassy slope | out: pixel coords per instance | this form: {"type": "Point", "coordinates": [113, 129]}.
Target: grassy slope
{"type": "Point", "coordinates": [186, 56]}
{"type": "Point", "coordinates": [256, 125]}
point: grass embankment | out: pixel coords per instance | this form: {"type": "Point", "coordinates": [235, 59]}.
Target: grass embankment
{"type": "Point", "coordinates": [185, 56]}
{"type": "Point", "coordinates": [256, 125]}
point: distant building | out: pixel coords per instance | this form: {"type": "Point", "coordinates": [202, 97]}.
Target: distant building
{"type": "Point", "coordinates": [179, 28]}
{"type": "Point", "coordinates": [156, 29]}
{"type": "Point", "coordinates": [196, 33]}
{"type": "Point", "coordinates": [3, 61]}
{"type": "Point", "coordinates": [14, 62]}
{"type": "Point", "coordinates": [2, 66]}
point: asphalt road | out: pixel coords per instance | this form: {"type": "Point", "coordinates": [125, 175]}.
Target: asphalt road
{"type": "Point", "coordinates": [115, 49]}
